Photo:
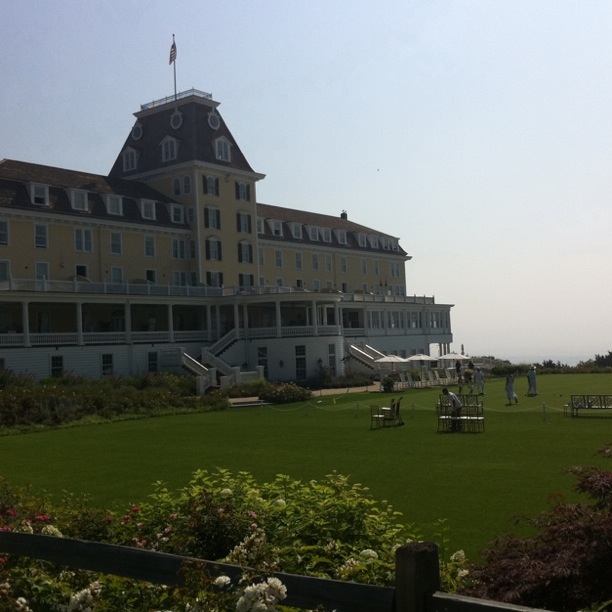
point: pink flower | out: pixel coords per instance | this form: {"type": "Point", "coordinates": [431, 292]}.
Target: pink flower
{"type": "Point", "coordinates": [135, 509]}
{"type": "Point", "coordinates": [42, 518]}
{"type": "Point", "coordinates": [11, 512]}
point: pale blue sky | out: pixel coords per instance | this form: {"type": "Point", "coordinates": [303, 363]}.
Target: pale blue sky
{"type": "Point", "coordinates": [478, 132]}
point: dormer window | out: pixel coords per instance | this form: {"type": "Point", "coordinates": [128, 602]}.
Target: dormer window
{"type": "Point", "coordinates": [178, 214]}
{"type": "Point", "coordinates": [341, 236]}
{"type": "Point", "coordinates": [114, 204]}
{"type": "Point", "coordinates": [361, 240]}
{"type": "Point", "coordinates": [296, 231]}
{"type": "Point", "coordinates": [260, 225]}
{"type": "Point", "coordinates": [129, 159]}
{"type": "Point", "coordinates": [169, 148]}
{"type": "Point", "coordinates": [373, 241]}
{"type": "Point", "coordinates": [78, 199]}
{"type": "Point", "coordinates": [222, 149]}
{"type": "Point", "coordinates": [39, 194]}
{"type": "Point", "coordinates": [147, 209]}
{"type": "Point", "coordinates": [326, 234]}
{"type": "Point", "coordinates": [313, 233]}
{"type": "Point", "coordinates": [277, 228]}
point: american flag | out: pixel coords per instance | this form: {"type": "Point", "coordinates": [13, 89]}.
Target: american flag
{"type": "Point", "coordinates": [172, 52]}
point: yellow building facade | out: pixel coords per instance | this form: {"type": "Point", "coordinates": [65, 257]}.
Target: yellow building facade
{"type": "Point", "coordinates": [170, 262]}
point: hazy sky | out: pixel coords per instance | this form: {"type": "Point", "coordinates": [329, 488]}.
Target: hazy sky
{"type": "Point", "coordinates": [479, 132]}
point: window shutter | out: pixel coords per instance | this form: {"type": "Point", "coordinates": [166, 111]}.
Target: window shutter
{"type": "Point", "coordinates": [238, 222]}
{"type": "Point", "coordinates": [248, 193]}
{"type": "Point", "coordinates": [237, 186]}
{"type": "Point", "coordinates": [239, 253]}
{"type": "Point", "coordinates": [220, 256]}
{"type": "Point", "coordinates": [221, 279]}
{"type": "Point", "coordinates": [207, 249]}
{"type": "Point", "coordinates": [216, 186]}
{"type": "Point", "coordinates": [205, 184]}
{"type": "Point", "coordinates": [250, 253]}
{"type": "Point", "coordinates": [206, 217]}
{"type": "Point", "coordinates": [249, 224]}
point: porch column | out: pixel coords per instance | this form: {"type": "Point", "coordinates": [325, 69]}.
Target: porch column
{"type": "Point", "coordinates": [237, 320]}
{"type": "Point", "coordinates": [79, 322]}
{"type": "Point", "coordinates": [278, 319]}
{"type": "Point", "coordinates": [245, 318]}
{"type": "Point", "coordinates": [218, 322]}
{"type": "Point", "coordinates": [170, 324]}
{"type": "Point", "coordinates": [25, 323]}
{"type": "Point", "coordinates": [208, 322]}
{"type": "Point", "coordinates": [315, 319]}
{"type": "Point", "coordinates": [128, 323]}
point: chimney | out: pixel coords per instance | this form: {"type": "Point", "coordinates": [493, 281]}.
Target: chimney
{"type": "Point", "coordinates": [343, 215]}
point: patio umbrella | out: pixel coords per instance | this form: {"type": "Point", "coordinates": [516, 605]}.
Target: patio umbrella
{"type": "Point", "coordinates": [454, 357]}
{"type": "Point", "coordinates": [392, 359]}
{"type": "Point", "coordinates": [422, 357]}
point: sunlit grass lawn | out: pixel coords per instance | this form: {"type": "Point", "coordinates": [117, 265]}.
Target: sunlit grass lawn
{"type": "Point", "coordinates": [479, 482]}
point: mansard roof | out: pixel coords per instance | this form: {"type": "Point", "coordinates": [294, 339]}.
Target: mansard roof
{"type": "Point", "coordinates": [187, 120]}
{"type": "Point", "coordinates": [15, 176]}
{"type": "Point", "coordinates": [290, 216]}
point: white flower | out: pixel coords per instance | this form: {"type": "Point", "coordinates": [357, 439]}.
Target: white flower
{"type": "Point", "coordinates": [222, 581]}
{"type": "Point", "coordinates": [458, 556]}
{"type": "Point", "coordinates": [368, 553]}
{"type": "Point", "coordinates": [225, 493]}
{"type": "Point", "coordinates": [52, 531]}
{"type": "Point", "coordinates": [280, 503]}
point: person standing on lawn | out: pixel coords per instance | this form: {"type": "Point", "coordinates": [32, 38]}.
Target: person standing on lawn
{"type": "Point", "coordinates": [479, 379]}
{"type": "Point", "coordinates": [455, 409]}
{"type": "Point", "coordinates": [532, 383]}
{"type": "Point", "coordinates": [510, 393]}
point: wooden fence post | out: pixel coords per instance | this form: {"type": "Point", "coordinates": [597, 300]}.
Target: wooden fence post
{"type": "Point", "coordinates": [417, 576]}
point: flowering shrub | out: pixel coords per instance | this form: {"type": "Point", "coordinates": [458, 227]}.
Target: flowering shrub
{"type": "Point", "coordinates": [55, 401]}
{"type": "Point", "coordinates": [283, 393]}
{"type": "Point", "coordinates": [329, 528]}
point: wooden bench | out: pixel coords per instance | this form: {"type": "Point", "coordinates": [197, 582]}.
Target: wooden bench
{"type": "Point", "coordinates": [469, 420]}
{"type": "Point", "coordinates": [580, 403]}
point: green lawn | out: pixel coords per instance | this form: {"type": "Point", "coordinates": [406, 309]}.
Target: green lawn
{"type": "Point", "coordinates": [479, 482]}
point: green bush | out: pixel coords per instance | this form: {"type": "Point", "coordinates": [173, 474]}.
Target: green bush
{"type": "Point", "coordinates": [332, 529]}
{"type": "Point", "coordinates": [283, 393]}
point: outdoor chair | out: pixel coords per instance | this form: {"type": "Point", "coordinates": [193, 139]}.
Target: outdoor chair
{"type": "Point", "coordinates": [392, 417]}
{"type": "Point", "coordinates": [377, 418]}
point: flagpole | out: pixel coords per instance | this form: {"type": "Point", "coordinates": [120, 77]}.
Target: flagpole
{"type": "Point", "coordinates": [174, 62]}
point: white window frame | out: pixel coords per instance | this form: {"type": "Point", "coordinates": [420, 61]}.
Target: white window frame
{"type": "Point", "coordinates": [149, 246]}
{"type": "Point", "coordinates": [114, 204]}
{"type": "Point", "coordinates": [41, 236]}
{"type": "Point", "coordinates": [362, 241]}
{"type": "Point", "coordinates": [5, 270]}
{"type": "Point", "coordinates": [78, 199]}
{"type": "Point", "coordinates": [214, 252]}
{"type": "Point", "coordinates": [4, 233]}
{"type": "Point", "coordinates": [116, 273]}
{"type": "Point", "coordinates": [179, 249]}
{"type": "Point", "coordinates": [223, 150]}
{"type": "Point", "coordinates": [116, 243]}
{"type": "Point", "coordinates": [83, 240]}
{"type": "Point", "coordinates": [129, 159]}
{"type": "Point", "coordinates": [325, 234]}
{"type": "Point", "coordinates": [313, 233]}
{"type": "Point", "coordinates": [41, 270]}
{"type": "Point", "coordinates": [298, 260]}
{"type": "Point", "coordinates": [341, 236]}
{"type": "Point", "coordinates": [277, 228]}
{"type": "Point", "coordinates": [278, 258]}
{"type": "Point", "coordinates": [177, 213]}
{"type": "Point", "coordinates": [39, 194]}
{"type": "Point", "coordinates": [260, 225]}
{"type": "Point", "coordinates": [296, 230]}
{"type": "Point", "coordinates": [147, 209]}
{"type": "Point", "coordinates": [169, 147]}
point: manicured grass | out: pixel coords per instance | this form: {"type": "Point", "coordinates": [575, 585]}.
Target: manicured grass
{"type": "Point", "coordinates": [479, 482]}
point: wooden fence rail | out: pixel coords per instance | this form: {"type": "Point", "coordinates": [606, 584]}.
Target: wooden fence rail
{"type": "Point", "coordinates": [417, 580]}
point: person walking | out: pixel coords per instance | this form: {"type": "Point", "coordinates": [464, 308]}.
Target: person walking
{"type": "Point", "coordinates": [510, 393]}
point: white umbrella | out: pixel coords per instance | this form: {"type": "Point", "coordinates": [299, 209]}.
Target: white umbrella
{"type": "Point", "coordinates": [390, 359]}
{"type": "Point", "coordinates": [454, 357]}
{"type": "Point", "coordinates": [421, 357]}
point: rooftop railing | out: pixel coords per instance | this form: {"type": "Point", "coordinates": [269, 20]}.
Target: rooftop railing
{"type": "Point", "coordinates": [179, 96]}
